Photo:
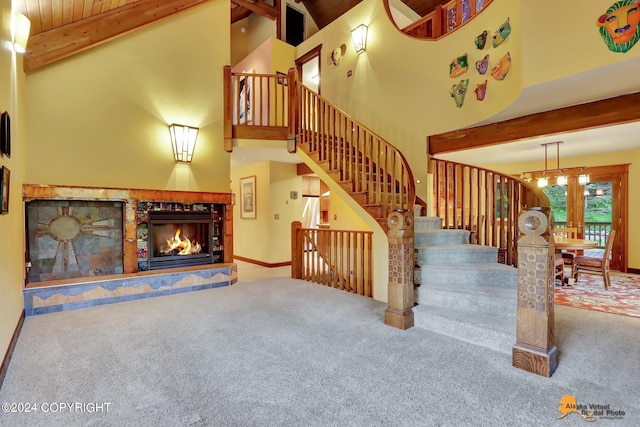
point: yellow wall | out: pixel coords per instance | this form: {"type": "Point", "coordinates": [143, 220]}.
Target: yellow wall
{"type": "Point", "coordinates": [400, 86]}
{"type": "Point", "coordinates": [11, 224]}
{"type": "Point", "coordinates": [100, 117]}
{"type": "Point", "coordinates": [562, 39]}
{"type": "Point", "coordinates": [267, 238]}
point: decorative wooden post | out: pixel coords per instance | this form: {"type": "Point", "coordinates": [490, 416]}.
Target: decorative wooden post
{"type": "Point", "coordinates": [292, 81]}
{"type": "Point", "coordinates": [399, 313]}
{"type": "Point", "coordinates": [227, 123]}
{"type": "Point", "coordinates": [296, 250]}
{"type": "Point", "coordinates": [535, 350]}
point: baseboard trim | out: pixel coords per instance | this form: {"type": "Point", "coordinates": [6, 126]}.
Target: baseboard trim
{"type": "Point", "coordinates": [633, 270]}
{"type": "Point", "coordinates": [261, 263]}
{"type": "Point", "coordinates": [12, 345]}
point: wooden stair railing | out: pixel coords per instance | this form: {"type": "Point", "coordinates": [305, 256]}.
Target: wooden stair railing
{"type": "Point", "coordinates": [371, 170]}
{"type": "Point", "coordinates": [485, 202]}
{"type": "Point", "coordinates": [341, 259]}
{"type": "Point", "coordinates": [256, 106]}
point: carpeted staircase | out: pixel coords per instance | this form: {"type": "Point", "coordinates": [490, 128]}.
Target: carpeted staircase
{"type": "Point", "coordinates": [463, 291]}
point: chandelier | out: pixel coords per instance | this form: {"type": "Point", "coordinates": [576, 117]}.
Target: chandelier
{"type": "Point", "coordinates": [557, 173]}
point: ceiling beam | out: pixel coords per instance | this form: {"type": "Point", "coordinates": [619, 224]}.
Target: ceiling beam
{"type": "Point", "coordinates": [607, 112]}
{"type": "Point", "coordinates": [53, 45]}
{"type": "Point", "coordinates": [238, 13]}
{"type": "Point", "coordinates": [259, 7]}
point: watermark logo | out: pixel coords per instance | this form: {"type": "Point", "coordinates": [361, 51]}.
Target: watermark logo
{"type": "Point", "coordinates": [589, 412]}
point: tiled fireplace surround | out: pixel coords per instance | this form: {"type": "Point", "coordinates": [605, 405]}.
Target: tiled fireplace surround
{"type": "Point", "coordinates": [67, 294]}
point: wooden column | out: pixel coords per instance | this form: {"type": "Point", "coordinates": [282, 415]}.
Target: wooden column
{"type": "Point", "coordinates": [296, 250]}
{"type": "Point", "coordinates": [292, 81]}
{"type": "Point", "coordinates": [227, 123]}
{"type": "Point", "coordinates": [399, 313]}
{"type": "Point", "coordinates": [535, 350]}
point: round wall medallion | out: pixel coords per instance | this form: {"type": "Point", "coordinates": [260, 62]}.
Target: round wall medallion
{"type": "Point", "coordinates": [64, 228]}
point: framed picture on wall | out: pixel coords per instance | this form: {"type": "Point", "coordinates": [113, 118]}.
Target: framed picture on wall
{"type": "Point", "coordinates": [4, 190]}
{"type": "Point", "coordinates": [5, 134]}
{"type": "Point", "coordinates": [248, 197]}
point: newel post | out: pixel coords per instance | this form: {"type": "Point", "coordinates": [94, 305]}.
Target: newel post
{"type": "Point", "coordinates": [292, 82]}
{"type": "Point", "coordinates": [399, 312]}
{"type": "Point", "coordinates": [296, 250]}
{"type": "Point", "coordinates": [535, 350]}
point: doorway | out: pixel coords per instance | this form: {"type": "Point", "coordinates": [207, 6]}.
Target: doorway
{"type": "Point", "coordinates": [594, 204]}
{"type": "Point", "coordinates": [308, 66]}
{"type": "Point", "coordinates": [295, 26]}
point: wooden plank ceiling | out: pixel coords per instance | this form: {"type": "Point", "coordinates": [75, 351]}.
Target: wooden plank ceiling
{"type": "Point", "coordinates": [61, 28]}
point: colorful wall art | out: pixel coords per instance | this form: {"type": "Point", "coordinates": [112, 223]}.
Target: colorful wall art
{"type": "Point", "coordinates": [481, 90]}
{"type": "Point", "coordinates": [481, 40]}
{"type": "Point", "coordinates": [619, 25]}
{"type": "Point", "coordinates": [502, 33]}
{"type": "Point", "coordinates": [501, 69]}
{"type": "Point", "coordinates": [459, 91]}
{"type": "Point", "coordinates": [483, 65]}
{"type": "Point", "coordinates": [458, 66]}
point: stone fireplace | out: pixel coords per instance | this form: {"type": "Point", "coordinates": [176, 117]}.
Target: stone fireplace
{"type": "Point", "coordinates": [84, 232]}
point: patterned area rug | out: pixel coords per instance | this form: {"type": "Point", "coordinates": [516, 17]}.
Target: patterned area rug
{"type": "Point", "coordinates": [623, 296]}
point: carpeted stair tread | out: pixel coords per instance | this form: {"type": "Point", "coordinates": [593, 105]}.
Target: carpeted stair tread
{"type": "Point", "coordinates": [489, 274]}
{"type": "Point", "coordinates": [456, 254]}
{"type": "Point", "coordinates": [494, 332]}
{"type": "Point", "coordinates": [422, 223]}
{"type": "Point", "coordinates": [476, 301]}
{"type": "Point", "coordinates": [441, 237]}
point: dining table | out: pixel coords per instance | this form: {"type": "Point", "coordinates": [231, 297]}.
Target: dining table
{"type": "Point", "coordinates": [565, 244]}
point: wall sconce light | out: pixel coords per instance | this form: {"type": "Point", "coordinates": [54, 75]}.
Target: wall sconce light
{"type": "Point", "coordinates": [359, 36]}
{"type": "Point", "coordinates": [21, 30]}
{"type": "Point", "coordinates": [183, 141]}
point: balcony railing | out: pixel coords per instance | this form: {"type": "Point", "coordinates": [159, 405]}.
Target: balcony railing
{"type": "Point", "coordinates": [445, 18]}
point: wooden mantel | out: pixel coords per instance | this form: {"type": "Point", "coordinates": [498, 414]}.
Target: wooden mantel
{"type": "Point", "coordinates": [130, 198]}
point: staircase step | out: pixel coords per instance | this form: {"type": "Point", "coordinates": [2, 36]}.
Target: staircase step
{"type": "Point", "coordinates": [423, 223]}
{"type": "Point", "coordinates": [490, 274]}
{"type": "Point", "coordinates": [438, 237]}
{"type": "Point", "coordinates": [456, 254]}
{"type": "Point", "coordinates": [470, 297]}
{"type": "Point", "coordinates": [494, 330]}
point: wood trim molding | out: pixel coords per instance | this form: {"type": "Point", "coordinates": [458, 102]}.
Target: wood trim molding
{"type": "Point", "coordinates": [12, 345]}
{"type": "Point", "coordinates": [260, 7]}
{"type": "Point", "coordinates": [50, 46]}
{"type": "Point", "coordinates": [261, 263]}
{"type": "Point", "coordinates": [607, 112]}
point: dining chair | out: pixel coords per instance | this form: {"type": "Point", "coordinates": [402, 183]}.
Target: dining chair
{"type": "Point", "coordinates": [558, 265]}
{"type": "Point", "coordinates": [569, 233]}
{"type": "Point", "coordinates": [595, 265]}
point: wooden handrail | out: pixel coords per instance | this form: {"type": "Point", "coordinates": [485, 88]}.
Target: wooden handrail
{"type": "Point", "coordinates": [483, 201]}
{"type": "Point", "coordinates": [363, 162]}
{"type": "Point", "coordinates": [341, 259]}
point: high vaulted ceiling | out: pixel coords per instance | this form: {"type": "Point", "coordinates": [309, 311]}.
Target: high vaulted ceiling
{"type": "Point", "coordinates": [60, 28]}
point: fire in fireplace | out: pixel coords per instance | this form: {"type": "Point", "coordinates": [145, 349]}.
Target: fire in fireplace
{"type": "Point", "coordinates": [179, 239]}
